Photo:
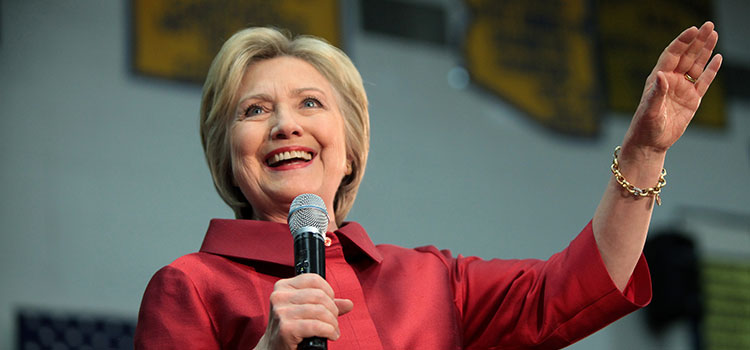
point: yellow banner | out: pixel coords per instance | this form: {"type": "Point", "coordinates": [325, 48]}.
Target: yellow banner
{"type": "Point", "coordinates": [177, 39]}
{"type": "Point", "coordinates": [540, 57]}
{"type": "Point", "coordinates": [634, 34]}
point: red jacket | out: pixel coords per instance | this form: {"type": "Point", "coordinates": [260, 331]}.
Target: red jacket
{"type": "Point", "coordinates": [419, 298]}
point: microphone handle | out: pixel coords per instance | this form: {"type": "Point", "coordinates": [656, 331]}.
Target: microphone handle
{"type": "Point", "coordinates": [310, 257]}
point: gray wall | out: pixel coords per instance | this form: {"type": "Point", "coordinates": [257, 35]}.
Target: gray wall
{"type": "Point", "coordinates": [103, 178]}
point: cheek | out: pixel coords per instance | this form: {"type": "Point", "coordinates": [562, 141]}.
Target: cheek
{"type": "Point", "coordinates": [243, 147]}
{"type": "Point", "coordinates": [338, 146]}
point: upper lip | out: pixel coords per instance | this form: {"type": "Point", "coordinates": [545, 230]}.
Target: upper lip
{"type": "Point", "coordinates": [269, 157]}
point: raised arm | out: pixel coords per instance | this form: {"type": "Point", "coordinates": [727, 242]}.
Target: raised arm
{"type": "Point", "coordinates": [672, 94]}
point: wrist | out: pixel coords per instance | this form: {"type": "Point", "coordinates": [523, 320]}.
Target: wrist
{"type": "Point", "coordinates": [641, 164]}
{"type": "Point", "coordinates": [641, 173]}
{"type": "Point", "coordinates": [644, 155]}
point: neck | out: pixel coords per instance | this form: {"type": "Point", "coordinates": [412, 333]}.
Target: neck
{"type": "Point", "coordinates": [281, 217]}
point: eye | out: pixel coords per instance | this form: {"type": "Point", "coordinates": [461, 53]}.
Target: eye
{"type": "Point", "coordinates": [254, 110]}
{"type": "Point", "coordinates": [311, 102]}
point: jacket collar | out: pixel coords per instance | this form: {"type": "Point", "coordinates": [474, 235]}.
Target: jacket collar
{"type": "Point", "coordinates": [271, 242]}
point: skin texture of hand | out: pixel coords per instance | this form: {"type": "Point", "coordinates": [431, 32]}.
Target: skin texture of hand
{"type": "Point", "coordinates": [667, 106]}
{"type": "Point", "coordinates": [302, 307]}
{"type": "Point", "coordinates": [669, 100]}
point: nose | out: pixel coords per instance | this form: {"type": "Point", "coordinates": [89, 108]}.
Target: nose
{"type": "Point", "coordinates": [285, 124]}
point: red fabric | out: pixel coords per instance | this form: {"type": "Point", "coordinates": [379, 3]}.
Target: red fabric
{"type": "Point", "coordinates": [403, 298]}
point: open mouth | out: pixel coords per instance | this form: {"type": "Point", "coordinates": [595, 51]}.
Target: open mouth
{"type": "Point", "coordinates": [288, 157]}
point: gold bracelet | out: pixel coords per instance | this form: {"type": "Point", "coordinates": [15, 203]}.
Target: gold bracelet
{"type": "Point", "coordinates": [635, 191]}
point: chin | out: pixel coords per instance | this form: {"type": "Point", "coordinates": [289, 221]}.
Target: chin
{"type": "Point", "coordinates": [288, 193]}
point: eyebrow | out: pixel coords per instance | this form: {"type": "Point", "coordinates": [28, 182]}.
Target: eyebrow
{"type": "Point", "coordinates": [300, 91]}
{"type": "Point", "coordinates": [267, 97]}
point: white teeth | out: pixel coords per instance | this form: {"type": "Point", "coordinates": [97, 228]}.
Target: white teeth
{"type": "Point", "coordinates": [289, 155]}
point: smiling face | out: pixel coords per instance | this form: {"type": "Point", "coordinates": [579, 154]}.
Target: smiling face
{"type": "Point", "coordinates": [287, 137]}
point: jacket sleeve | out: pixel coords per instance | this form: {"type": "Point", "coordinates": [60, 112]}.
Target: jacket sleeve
{"type": "Point", "coordinates": [525, 304]}
{"type": "Point", "coordinates": [173, 316]}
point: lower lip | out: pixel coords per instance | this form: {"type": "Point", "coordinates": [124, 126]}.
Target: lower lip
{"type": "Point", "coordinates": [291, 166]}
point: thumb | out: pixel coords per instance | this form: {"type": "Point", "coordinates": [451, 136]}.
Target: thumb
{"type": "Point", "coordinates": [656, 95]}
{"type": "Point", "coordinates": [344, 305]}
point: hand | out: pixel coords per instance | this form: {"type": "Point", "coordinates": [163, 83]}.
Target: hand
{"type": "Point", "coordinates": [302, 307]}
{"type": "Point", "coordinates": [669, 100]}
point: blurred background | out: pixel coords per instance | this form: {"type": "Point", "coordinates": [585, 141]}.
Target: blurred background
{"type": "Point", "coordinates": [493, 125]}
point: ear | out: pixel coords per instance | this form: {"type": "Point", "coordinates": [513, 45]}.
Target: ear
{"type": "Point", "coordinates": [348, 167]}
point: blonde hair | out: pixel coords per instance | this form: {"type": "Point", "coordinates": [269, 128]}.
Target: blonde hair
{"type": "Point", "coordinates": [220, 97]}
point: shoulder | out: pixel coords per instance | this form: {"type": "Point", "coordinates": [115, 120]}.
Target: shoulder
{"type": "Point", "coordinates": [186, 271]}
{"type": "Point", "coordinates": [204, 271]}
{"type": "Point", "coordinates": [197, 263]}
{"type": "Point", "coordinates": [217, 283]}
{"type": "Point", "coordinates": [194, 265]}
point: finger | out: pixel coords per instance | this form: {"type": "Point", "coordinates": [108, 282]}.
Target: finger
{"type": "Point", "coordinates": [344, 305]}
{"type": "Point", "coordinates": [704, 81]}
{"type": "Point", "coordinates": [691, 54]}
{"type": "Point", "coordinates": [307, 312]}
{"type": "Point", "coordinates": [700, 63]}
{"type": "Point", "coordinates": [313, 296]}
{"type": "Point", "coordinates": [671, 55]}
{"type": "Point", "coordinates": [296, 330]}
{"type": "Point", "coordinates": [297, 297]}
{"type": "Point", "coordinates": [306, 280]}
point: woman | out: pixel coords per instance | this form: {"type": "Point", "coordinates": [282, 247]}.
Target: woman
{"type": "Point", "coordinates": [282, 117]}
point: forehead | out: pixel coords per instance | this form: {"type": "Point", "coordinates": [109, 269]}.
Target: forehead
{"type": "Point", "coordinates": [282, 73]}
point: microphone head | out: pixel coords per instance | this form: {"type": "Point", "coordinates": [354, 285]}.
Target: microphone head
{"type": "Point", "coordinates": [308, 210]}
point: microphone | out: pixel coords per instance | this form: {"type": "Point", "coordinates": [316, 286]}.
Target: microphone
{"type": "Point", "coordinates": [308, 223]}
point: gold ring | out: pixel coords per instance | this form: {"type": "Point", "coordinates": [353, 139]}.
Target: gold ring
{"type": "Point", "coordinates": [689, 78]}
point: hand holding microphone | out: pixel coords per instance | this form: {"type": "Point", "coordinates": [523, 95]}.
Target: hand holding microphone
{"type": "Point", "coordinates": [304, 311]}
